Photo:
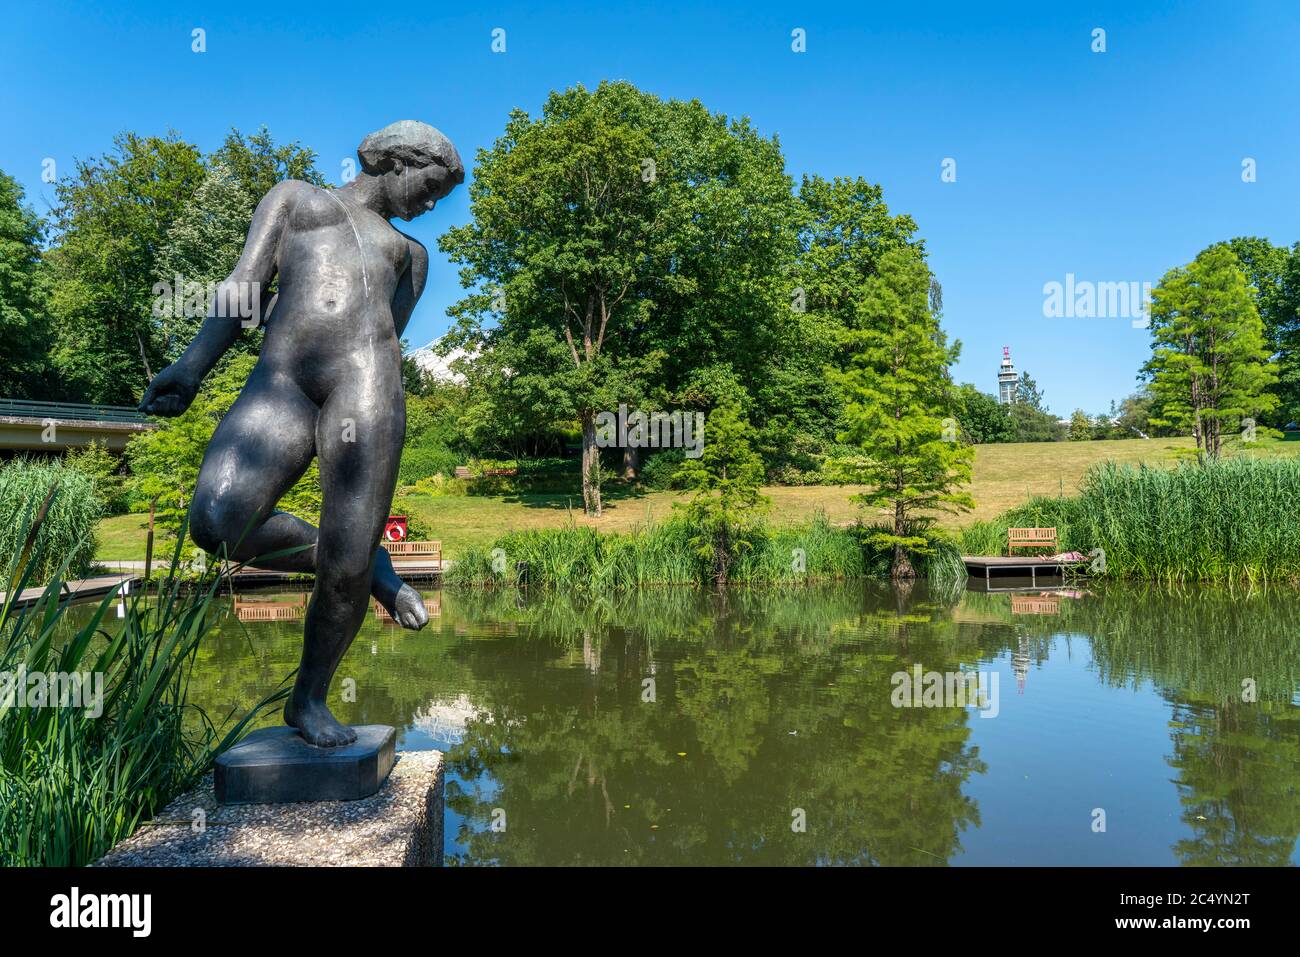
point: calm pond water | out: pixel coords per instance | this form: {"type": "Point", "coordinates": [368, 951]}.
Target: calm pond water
{"type": "Point", "coordinates": [675, 726]}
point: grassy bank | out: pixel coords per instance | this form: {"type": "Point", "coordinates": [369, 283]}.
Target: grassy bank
{"type": "Point", "coordinates": [1004, 476]}
{"type": "Point", "coordinates": [80, 768]}
{"type": "Point", "coordinates": [663, 553]}
{"type": "Point", "coordinates": [1229, 521]}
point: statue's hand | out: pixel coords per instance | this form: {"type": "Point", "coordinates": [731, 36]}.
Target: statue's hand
{"type": "Point", "coordinates": [170, 392]}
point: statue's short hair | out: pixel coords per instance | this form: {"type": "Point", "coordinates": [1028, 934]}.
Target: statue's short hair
{"type": "Point", "coordinates": [410, 141]}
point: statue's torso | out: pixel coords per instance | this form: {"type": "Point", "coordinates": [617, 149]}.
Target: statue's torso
{"type": "Point", "coordinates": [338, 266]}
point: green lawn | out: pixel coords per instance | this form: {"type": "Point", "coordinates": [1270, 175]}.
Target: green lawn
{"type": "Point", "coordinates": [1004, 475]}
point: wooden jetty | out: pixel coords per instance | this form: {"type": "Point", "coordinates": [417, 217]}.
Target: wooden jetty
{"type": "Point", "coordinates": [95, 587]}
{"type": "Point", "coordinates": [127, 573]}
{"type": "Point", "coordinates": [985, 566]}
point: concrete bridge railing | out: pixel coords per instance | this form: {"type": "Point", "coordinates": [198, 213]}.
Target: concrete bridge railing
{"type": "Point", "coordinates": [30, 425]}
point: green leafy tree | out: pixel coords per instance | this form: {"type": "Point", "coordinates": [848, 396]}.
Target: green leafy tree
{"type": "Point", "coordinates": [1033, 425]}
{"type": "Point", "coordinates": [105, 470]}
{"type": "Point", "coordinates": [726, 478]}
{"type": "Point", "coordinates": [722, 321]}
{"type": "Point", "coordinates": [24, 324]}
{"type": "Point", "coordinates": [110, 224]}
{"type": "Point", "coordinates": [1209, 364]}
{"type": "Point", "coordinates": [983, 418]}
{"type": "Point", "coordinates": [1080, 429]}
{"type": "Point", "coordinates": [1274, 272]}
{"type": "Point", "coordinates": [1028, 394]}
{"type": "Point", "coordinates": [564, 230]}
{"type": "Point", "coordinates": [898, 393]}
{"type": "Point", "coordinates": [1030, 419]}
{"type": "Point", "coordinates": [845, 228]}
{"type": "Point", "coordinates": [258, 162]}
{"type": "Point", "coordinates": [200, 249]}
{"type": "Point", "coordinates": [148, 208]}
{"type": "Point", "coordinates": [204, 242]}
{"type": "Point", "coordinates": [432, 432]}
{"type": "Point", "coordinates": [1134, 416]}
{"type": "Point", "coordinates": [625, 249]}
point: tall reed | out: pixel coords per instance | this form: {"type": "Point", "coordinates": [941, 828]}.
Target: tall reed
{"type": "Point", "coordinates": [1233, 520]}
{"type": "Point", "coordinates": [1236, 519]}
{"type": "Point", "coordinates": [579, 557]}
{"type": "Point", "coordinates": [79, 774]}
{"type": "Point", "coordinates": [68, 531]}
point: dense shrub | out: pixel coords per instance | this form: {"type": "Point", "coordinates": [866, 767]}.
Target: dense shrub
{"type": "Point", "coordinates": [438, 484]}
{"type": "Point", "coordinates": [422, 460]}
{"type": "Point", "coordinates": [106, 471]}
{"type": "Point", "coordinates": [659, 471]}
{"type": "Point", "coordinates": [417, 527]}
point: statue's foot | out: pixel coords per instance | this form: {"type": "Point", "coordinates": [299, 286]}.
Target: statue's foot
{"type": "Point", "coordinates": [402, 602]}
{"type": "Point", "coordinates": [407, 608]}
{"type": "Point", "coordinates": [315, 723]}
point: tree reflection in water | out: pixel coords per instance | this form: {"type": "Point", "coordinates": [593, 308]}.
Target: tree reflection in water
{"type": "Point", "coordinates": [676, 726]}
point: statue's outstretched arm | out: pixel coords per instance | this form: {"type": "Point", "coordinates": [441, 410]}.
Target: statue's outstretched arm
{"type": "Point", "coordinates": [173, 389]}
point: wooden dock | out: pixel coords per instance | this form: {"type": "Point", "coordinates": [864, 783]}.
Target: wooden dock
{"type": "Point", "coordinates": [82, 588]}
{"type": "Point", "coordinates": [129, 572]}
{"type": "Point", "coordinates": [413, 570]}
{"type": "Point", "coordinates": [985, 566]}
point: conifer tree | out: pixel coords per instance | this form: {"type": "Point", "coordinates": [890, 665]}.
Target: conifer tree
{"type": "Point", "coordinates": [899, 408]}
{"type": "Point", "coordinates": [1209, 366]}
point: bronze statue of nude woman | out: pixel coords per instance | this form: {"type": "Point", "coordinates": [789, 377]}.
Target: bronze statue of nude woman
{"type": "Point", "coordinates": [328, 383]}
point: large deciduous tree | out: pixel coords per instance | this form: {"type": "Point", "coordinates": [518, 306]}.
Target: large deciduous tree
{"type": "Point", "coordinates": [110, 223]}
{"type": "Point", "coordinates": [566, 225]}
{"type": "Point", "coordinates": [1209, 366]}
{"type": "Point", "coordinates": [25, 334]}
{"type": "Point", "coordinates": [1274, 272]}
{"type": "Point", "coordinates": [623, 249]}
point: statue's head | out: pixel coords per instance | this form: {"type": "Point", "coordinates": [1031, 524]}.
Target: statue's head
{"type": "Point", "coordinates": [416, 164]}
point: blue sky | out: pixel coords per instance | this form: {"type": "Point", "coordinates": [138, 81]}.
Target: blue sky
{"type": "Point", "coordinates": [1112, 166]}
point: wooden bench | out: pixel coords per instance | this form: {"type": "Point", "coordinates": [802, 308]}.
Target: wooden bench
{"type": "Point", "coordinates": [463, 472]}
{"type": "Point", "coordinates": [1030, 538]}
{"type": "Point", "coordinates": [1035, 604]}
{"type": "Point", "coordinates": [410, 549]}
{"type": "Point", "coordinates": [271, 608]}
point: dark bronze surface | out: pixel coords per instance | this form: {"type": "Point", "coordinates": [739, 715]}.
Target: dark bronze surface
{"type": "Point", "coordinates": [328, 383]}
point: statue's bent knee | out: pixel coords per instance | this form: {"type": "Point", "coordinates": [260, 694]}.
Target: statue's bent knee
{"type": "Point", "coordinates": [210, 524]}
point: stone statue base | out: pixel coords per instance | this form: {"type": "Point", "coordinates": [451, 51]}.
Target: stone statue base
{"type": "Point", "coordinates": [400, 825]}
{"type": "Point", "coordinates": [277, 766]}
